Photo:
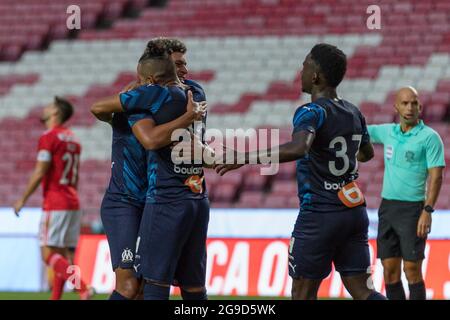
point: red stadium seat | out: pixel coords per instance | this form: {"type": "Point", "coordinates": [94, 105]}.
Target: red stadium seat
{"type": "Point", "coordinates": [255, 181]}
{"type": "Point", "coordinates": [250, 199]}
{"type": "Point", "coordinates": [45, 20]}
{"type": "Point", "coordinates": [225, 192]}
{"type": "Point", "coordinates": [284, 188]}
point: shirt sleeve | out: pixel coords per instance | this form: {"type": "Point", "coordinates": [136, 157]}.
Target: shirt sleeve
{"type": "Point", "coordinates": [435, 152]}
{"type": "Point", "coordinates": [143, 99]}
{"type": "Point", "coordinates": [379, 132]}
{"type": "Point", "coordinates": [135, 117]}
{"type": "Point", "coordinates": [309, 117]}
{"type": "Point", "coordinates": [45, 148]}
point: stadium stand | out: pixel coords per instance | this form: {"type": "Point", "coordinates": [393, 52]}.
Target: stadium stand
{"type": "Point", "coordinates": [246, 54]}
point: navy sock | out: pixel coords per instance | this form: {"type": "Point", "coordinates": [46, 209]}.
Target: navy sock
{"type": "Point", "coordinates": [117, 296]}
{"type": "Point", "coordinates": [155, 292]}
{"type": "Point", "coordinates": [186, 295]}
{"type": "Point", "coordinates": [417, 291]}
{"type": "Point", "coordinates": [395, 291]}
{"type": "Point", "coordinates": [376, 296]}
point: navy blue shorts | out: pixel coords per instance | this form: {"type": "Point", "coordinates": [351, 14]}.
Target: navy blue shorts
{"type": "Point", "coordinates": [320, 239]}
{"type": "Point", "coordinates": [172, 243]}
{"type": "Point", "coordinates": [121, 222]}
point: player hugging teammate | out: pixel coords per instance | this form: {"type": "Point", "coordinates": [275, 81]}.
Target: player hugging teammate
{"type": "Point", "coordinates": [155, 212]}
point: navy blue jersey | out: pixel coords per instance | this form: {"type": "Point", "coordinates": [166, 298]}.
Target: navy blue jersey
{"type": "Point", "coordinates": [128, 181]}
{"type": "Point", "coordinates": [197, 89]}
{"type": "Point", "coordinates": [167, 181]}
{"type": "Point", "coordinates": [340, 130]}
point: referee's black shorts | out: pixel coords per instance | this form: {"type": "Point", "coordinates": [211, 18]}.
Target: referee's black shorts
{"type": "Point", "coordinates": [397, 230]}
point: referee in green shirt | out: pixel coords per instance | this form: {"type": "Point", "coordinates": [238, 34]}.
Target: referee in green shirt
{"type": "Point", "coordinates": [413, 153]}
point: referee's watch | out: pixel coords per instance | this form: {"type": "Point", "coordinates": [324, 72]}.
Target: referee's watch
{"type": "Point", "coordinates": [428, 209]}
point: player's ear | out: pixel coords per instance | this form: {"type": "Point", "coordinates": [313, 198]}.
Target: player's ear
{"type": "Point", "coordinates": [315, 77]}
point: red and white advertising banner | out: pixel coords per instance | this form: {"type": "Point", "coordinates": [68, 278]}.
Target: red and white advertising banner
{"type": "Point", "coordinates": [259, 267]}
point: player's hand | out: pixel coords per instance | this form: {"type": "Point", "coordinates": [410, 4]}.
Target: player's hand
{"type": "Point", "coordinates": [227, 164]}
{"type": "Point", "coordinates": [424, 224]}
{"type": "Point", "coordinates": [196, 109]}
{"type": "Point", "coordinates": [202, 108]}
{"type": "Point", "coordinates": [221, 169]}
{"type": "Point", "coordinates": [18, 206]}
{"type": "Point", "coordinates": [131, 86]}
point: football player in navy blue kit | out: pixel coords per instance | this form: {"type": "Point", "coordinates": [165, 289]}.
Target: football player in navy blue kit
{"type": "Point", "coordinates": [124, 199]}
{"type": "Point", "coordinates": [328, 140]}
{"type": "Point", "coordinates": [171, 247]}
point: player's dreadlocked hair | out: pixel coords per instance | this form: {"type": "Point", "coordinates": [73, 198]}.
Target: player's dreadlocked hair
{"type": "Point", "coordinates": [332, 62]}
{"type": "Point", "coordinates": [65, 108]}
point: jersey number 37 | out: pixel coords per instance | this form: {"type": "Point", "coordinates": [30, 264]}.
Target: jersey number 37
{"type": "Point", "coordinates": [339, 144]}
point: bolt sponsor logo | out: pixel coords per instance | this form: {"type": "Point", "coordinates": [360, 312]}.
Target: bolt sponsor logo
{"type": "Point", "coordinates": [188, 170]}
{"type": "Point", "coordinates": [333, 186]}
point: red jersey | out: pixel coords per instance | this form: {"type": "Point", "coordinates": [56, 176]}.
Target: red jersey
{"type": "Point", "coordinates": [60, 147]}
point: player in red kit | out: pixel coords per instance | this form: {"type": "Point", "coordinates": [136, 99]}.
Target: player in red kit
{"type": "Point", "coordinates": [57, 168]}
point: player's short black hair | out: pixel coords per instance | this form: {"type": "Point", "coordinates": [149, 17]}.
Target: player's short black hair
{"type": "Point", "coordinates": [332, 62]}
{"type": "Point", "coordinates": [156, 60]}
{"type": "Point", "coordinates": [176, 45]}
{"type": "Point", "coordinates": [155, 49]}
{"type": "Point", "coordinates": [65, 108]}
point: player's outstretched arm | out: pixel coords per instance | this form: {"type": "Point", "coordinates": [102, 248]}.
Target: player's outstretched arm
{"type": "Point", "coordinates": [39, 172]}
{"type": "Point", "coordinates": [297, 148]}
{"type": "Point", "coordinates": [193, 150]}
{"type": "Point", "coordinates": [153, 137]}
{"type": "Point", "coordinates": [210, 153]}
{"type": "Point", "coordinates": [104, 109]}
